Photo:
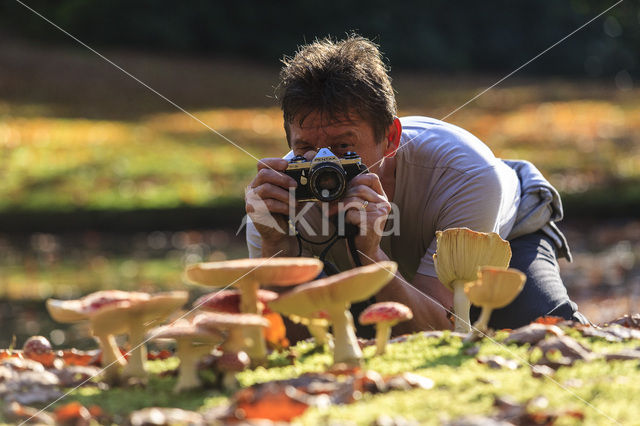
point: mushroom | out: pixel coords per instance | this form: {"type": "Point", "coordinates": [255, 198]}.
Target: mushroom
{"type": "Point", "coordinates": [229, 301]}
{"type": "Point", "coordinates": [113, 312]}
{"type": "Point", "coordinates": [335, 295]}
{"type": "Point", "coordinates": [229, 364]}
{"type": "Point", "coordinates": [460, 252]}
{"type": "Point", "coordinates": [38, 348]}
{"type": "Point", "coordinates": [192, 343]}
{"type": "Point", "coordinates": [248, 275]}
{"type": "Point", "coordinates": [86, 308]}
{"type": "Point", "coordinates": [384, 315]}
{"type": "Point", "coordinates": [234, 324]}
{"type": "Point", "coordinates": [318, 325]}
{"type": "Point", "coordinates": [495, 288]}
{"type": "Point", "coordinates": [136, 318]}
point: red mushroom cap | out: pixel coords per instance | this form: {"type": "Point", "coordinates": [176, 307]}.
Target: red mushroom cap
{"type": "Point", "coordinates": [36, 345]}
{"type": "Point", "coordinates": [233, 361]}
{"type": "Point", "coordinates": [228, 301]}
{"type": "Point", "coordinates": [385, 311]}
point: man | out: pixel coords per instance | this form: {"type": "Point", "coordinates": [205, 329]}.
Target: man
{"type": "Point", "coordinates": [424, 175]}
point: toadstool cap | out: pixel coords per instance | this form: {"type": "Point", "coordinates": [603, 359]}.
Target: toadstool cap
{"type": "Point", "coordinates": [116, 317]}
{"type": "Point", "coordinates": [385, 312]}
{"type": "Point", "coordinates": [344, 288]}
{"type": "Point", "coordinates": [80, 309]}
{"type": "Point", "coordinates": [280, 271]}
{"type": "Point", "coordinates": [495, 287]}
{"type": "Point", "coordinates": [160, 305]}
{"type": "Point", "coordinates": [182, 329]}
{"type": "Point", "coordinates": [233, 361]}
{"type": "Point", "coordinates": [229, 301]}
{"type": "Point", "coordinates": [460, 251]}
{"type": "Point", "coordinates": [224, 321]}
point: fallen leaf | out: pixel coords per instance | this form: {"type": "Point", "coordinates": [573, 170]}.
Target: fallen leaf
{"type": "Point", "coordinates": [548, 320]}
{"type": "Point", "coordinates": [72, 413]}
{"type": "Point", "coordinates": [624, 355]}
{"type": "Point", "coordinates": [540, 370]}
{"type": "Point", "coordinates": [267, 401]}
{"type": "Point", "coordinates": [567, 347]}
{"type": "Point", "coordinates": [611, 333]}
{"type": "Point", "coordinates": [165, 416]}
{"type": "Point", "coordinates": [8, 353]}
{"type": "Point", "coordinates": [498, 362]}
{"type": "Point", "coordinates": [632, 321]}
{"type": "Point", "coordinates": [533, 333]}
{"type": "Point", "coordinates": [19, 413]}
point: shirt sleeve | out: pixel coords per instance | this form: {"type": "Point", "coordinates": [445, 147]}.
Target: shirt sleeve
{"type": "Point", "coordinates": [254, 240]}
{"type": "Point", "coordinates": [472, 201]}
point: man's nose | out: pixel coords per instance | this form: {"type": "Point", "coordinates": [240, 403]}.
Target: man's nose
{"type": "Point", "coordinates": [310, 154]}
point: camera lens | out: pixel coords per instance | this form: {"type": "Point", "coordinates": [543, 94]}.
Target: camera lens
{"type": "Point", "coordinates": [327, 181]}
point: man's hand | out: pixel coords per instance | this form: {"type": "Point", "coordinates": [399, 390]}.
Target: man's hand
{"type": "Point", "coordinates": [366, 206]}
{"type": "Point", "coordinates": [267, 203]}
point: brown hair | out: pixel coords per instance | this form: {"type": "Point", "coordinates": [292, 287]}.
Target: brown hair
{"type": "Point", "coordinates": [337, 79]}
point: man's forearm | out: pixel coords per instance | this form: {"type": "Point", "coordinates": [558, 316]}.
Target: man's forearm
{"type": "Point", "coordinates": [428, 312]}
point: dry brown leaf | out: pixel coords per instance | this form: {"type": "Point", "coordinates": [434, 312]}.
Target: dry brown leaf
{"type": "Point", "coordinates": [532, 333]}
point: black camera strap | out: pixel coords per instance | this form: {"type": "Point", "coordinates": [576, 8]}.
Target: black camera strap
{"type": "Point", "coordinates": [351, 231]}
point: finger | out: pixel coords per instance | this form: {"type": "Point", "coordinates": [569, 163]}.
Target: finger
{"type": "Point", "coordinates": [368, 179]}
{"type": "Point", "coordinates": [354, 217]}
{"type": "Point", "coordinates": [365, 193]}
{"type": "Point", "coordinates": [309, 155]}
{"type": "Point", "coordinates": [272, 206]}
{"type": "Point", "coordinates": [269, 190]}
{"type": "Point", "coordinates": [273, 177]}
{"type": "Point", "coordinates": [279, 164]}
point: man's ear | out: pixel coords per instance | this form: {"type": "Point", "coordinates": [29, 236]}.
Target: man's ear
{"type": "Point", "coordinates": [393, 138]}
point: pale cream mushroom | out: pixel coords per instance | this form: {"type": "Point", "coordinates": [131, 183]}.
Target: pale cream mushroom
{"type": "Point", "coordinates": [495, 288]}
{"type": "Point", "coordinates": [192, 343]}
{"type": "Point", "coordinates": [460, 252]}
{"type": "Point", "coordinates": [89, 308]}
{"type": "Point", "coordinates": [141, 317]}
{"type": "Point", "coordinates": [335, 295]}
{"type": "Point", "coordinates": [248, 275]}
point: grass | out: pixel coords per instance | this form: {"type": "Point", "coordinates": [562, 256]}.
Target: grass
{"type": "Point", "coordinates": [601, 390]}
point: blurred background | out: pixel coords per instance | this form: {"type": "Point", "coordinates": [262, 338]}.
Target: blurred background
{"type": "Point", "coordinates": [104, 184]}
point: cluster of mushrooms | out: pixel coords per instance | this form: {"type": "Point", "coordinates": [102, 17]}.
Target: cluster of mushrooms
{"type": "Point", "coordinates": [228, 324]}
{"type": "Point", "coordinates": [474, 265]}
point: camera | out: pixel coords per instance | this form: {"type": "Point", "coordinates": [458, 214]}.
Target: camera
{"type": "Point", "coordinates": [324, 178]}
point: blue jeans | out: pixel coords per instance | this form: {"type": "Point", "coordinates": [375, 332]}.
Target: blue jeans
{"type": "Point", "coordinates": [544, 293]}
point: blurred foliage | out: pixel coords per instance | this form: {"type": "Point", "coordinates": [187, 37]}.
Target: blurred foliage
{"type": "Point", "coordinates": [437, 35]}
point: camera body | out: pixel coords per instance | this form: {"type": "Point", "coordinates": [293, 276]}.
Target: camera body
{"type": "Point", "coordinates": [324, 178]}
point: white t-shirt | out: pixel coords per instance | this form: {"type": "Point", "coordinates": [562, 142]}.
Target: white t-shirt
{"type": "Point", "coordinates": [445, 178]}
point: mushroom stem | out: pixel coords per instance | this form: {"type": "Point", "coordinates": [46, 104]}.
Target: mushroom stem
{"type": "Point", "coordinates": [249, 304]}
{"type": "Point", "coordinates": [461, 306]}
{"type": "Point", "coordinates": [383, 332]}
{"type": "Point", "coordinates": [320, 334]}
{"type": "Point", "coordinates": [138, 351]}
{"type": "Point", "coordinates": [346, 348]}
{"type": "Point", "coordinates": [482, 324]}
{"type": "Point", "coordinates": [112, 359]}
{"type": "Point", "coordinates": [234, 341]}
{"type": "Point", "coordinates": [189, 355]}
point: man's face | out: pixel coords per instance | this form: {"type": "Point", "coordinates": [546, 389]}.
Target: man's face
{"type": "Point", "coordinates": [340, 136]}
